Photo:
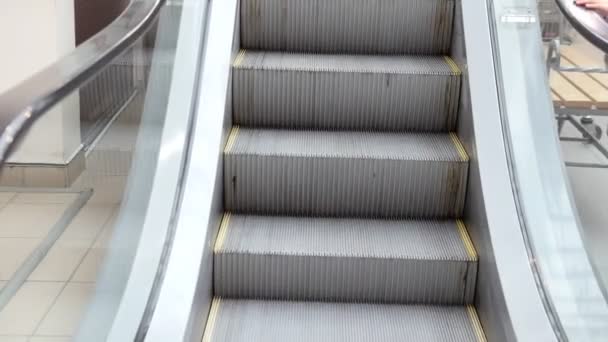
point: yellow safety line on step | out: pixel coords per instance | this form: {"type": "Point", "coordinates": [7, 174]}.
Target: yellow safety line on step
{"type": "Point", "coordinates": [215, 308]}
{"type": "Point", "coordinates": [481, 337]}
{"type": "Point", "coordinates": [459, 147]}
{"type": "Point", "coordinates": [221, 235]}
{"type": "Point", "coordinates": [239, 59]}
{"type": "Point", "coordinates": [453, 65]}
{"type": "Point", "coordinates": [466, 239]}
{"type": "Point", "coordinates": [231, 139]}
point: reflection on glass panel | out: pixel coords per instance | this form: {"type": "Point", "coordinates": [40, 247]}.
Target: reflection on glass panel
{"type": "Point", "coordinates": [579, 84]}
{"type": "Point", "coordinates": [560, 248]}
{"type": "Point", "coordinates": [68, 237]}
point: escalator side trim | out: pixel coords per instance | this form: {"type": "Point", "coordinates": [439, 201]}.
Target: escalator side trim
{"type": "Point", "coordinates": [239, 59]}
{"type": "Point", "coordinates": [231, 139]}
{"type": "Point", "coordinates": [466, 239]}
{"type": "Point", "coordinates": [213, 313]}
{"type": "Point", "coordinates": [453, 65]}
{"type": "Point", "coordinates": [221, 235]}
{"type": "Point", "coordinates": [459, 147]}
{"type": "Point", "coordinates": [481, 336]}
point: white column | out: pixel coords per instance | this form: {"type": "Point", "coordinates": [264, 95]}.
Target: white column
{"type": "Point", "coordinates": [33, 34]}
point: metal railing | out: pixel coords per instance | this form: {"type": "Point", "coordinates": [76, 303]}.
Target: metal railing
{"type": "Point", "coordinates": [29, 100]}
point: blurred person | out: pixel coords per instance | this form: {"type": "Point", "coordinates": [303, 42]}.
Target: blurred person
{"type": "Point", "coordinates": [599, 6]}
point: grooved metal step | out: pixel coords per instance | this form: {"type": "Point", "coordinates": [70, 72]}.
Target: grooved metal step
{"type": "Point", "coordinates": [272, 321]}
{"type": "Point", "coordinates": [361, 92]}
{"type": "Point", "coordinates": [348, 26]}
{"type": "Point", "coordinates": [359, 174]}
{"type": "Point", "coordinates": [354, 260]}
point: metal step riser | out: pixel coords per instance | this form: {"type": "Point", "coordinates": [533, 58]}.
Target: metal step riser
{"type": "Point", "coordinates": [349, 279]}
{"type": "Point", "coordinates": [345, 100]}
{"type": "Point", "coordinates": [348, 26]}
{"type": "Point", "coordinates": [343, 187]}
{"type": "Point", "coordinates": [279, 321]}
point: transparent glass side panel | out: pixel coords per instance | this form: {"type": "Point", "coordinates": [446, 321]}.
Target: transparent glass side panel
{"type": "Point", "coordinates": [67, 236]}
{"type": "Point", "coordinates": [580, 99]}
{"type": "Point", "coordinates": [545, 178]}
{"type": "Point", "coordinates": [47, 32]}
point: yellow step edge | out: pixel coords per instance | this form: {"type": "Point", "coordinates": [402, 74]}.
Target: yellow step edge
{"type": "Point", "coordinates": [234, 132]}
{"type": "Point", "coordinates": [466, 239]}
{"type": "Point", "coordinates": [239, 59]}
{"type": "Point", "coordinates": [459, 147]}
{"type": "Point", "coordinates": [453, 65]}
{"type": "Point", "coordinates": [213, 313]}
{"type": "Point", "coordinates": [481, 336]}
{"type": "Point", "coordinates": [221, 235]}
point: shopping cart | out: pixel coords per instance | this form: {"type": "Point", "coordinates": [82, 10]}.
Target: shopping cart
{"type": "Point", "coordinates": [553, 24]}
{"type": "Point", "coordinates": [581, 119]}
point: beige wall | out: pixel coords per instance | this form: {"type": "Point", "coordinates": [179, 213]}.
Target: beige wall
{"type": "Point", "coordinates": [33, 34]}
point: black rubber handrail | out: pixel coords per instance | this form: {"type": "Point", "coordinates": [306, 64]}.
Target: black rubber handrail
{"type": "Point", "coordinates": [588, 23]}
{"type": "Point", "coordinates": [29, 100]}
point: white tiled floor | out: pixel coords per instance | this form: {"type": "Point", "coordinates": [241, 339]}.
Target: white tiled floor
{"type": "Point", "coordinates": [29, 220]}
{"type": "Point", "coordinates": [49, 305]}
{"type": "Point", "coordinates": [28, 307]}
{"type": "Point", "coordinates": [107, 189]}
{"type": "Point", "coordinates": [5, 197]}
{"type": "Point", "coordinates": [26, 219]}
{"type": "Point", "coordinates": [64, 316]}
{"type": "Point", "coordinates": [87, 225]}
{"type": "Point", "coordinates": [13, 338]}
{"type": "Point", "coordinates": [34, 338]}
{"type": "Point", "coordinates": [106, 233]}
{"type": "Point", "coordinates": [48, 339]}
{"type": "Point", "coordinates": [44, 198]}
{"type": "Point", "coordinates": [53, 299]}
{"type": "Point", "coordinates": [61, 261]}
{"type": "Point", "coordinates": [12, 254]}
{"type": "Point", "coordinates": [88, 269]}
{"type": "Point", "coordinates": [68, 253]}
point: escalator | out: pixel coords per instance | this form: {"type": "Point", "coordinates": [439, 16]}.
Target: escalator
{"type": "Point", "coordinates": [344, 181]}
{"type": "Point", "coordinates": [308, 171]}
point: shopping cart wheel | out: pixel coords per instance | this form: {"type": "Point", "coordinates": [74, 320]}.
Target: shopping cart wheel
{"type": "Point", "coordinates": [592, 128]}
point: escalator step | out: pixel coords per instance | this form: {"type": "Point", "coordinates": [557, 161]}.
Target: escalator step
{"type": "Point", "coordinates": [355, 260]}
{"type": "Point", "coordinates": [273, 321]}
{"type": "Point", "coordinates": [348, 26]}
{"type": "Point", "coordinates": [359, 174]}
{"type": "Point", "coordinates": [361, 92]}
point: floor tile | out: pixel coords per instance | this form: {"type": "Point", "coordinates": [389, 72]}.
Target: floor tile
{"type": "Point", "coordinates": [49, 339]}
{"type": "Point", "coordinates": [13, 339]}
{"type": "Point", "coordinates": [29, 220]}
{"type": "Point", "coordinates": [13, 253]}
{"type": "Point", "coordinates": [60, 262]}
{"type": "Point", "coordinates": [5, 197]}
{"type": "Point", "coordinates": [106, 189]}
{"type": "Point", "coordinates": [121, 137]}
{"type": "Point", "coordinates": [45, 198]}
{"type": "Point", "coordinates": [88, 269]}
{"type": "Point", "coordinates": [88, 223]}
{"type": "Point", "coordinates": [27, 308]}
{"type": "Point", "coordinates": [64, 317]}
{"type": "Point", "coordinates": [105, 237]}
